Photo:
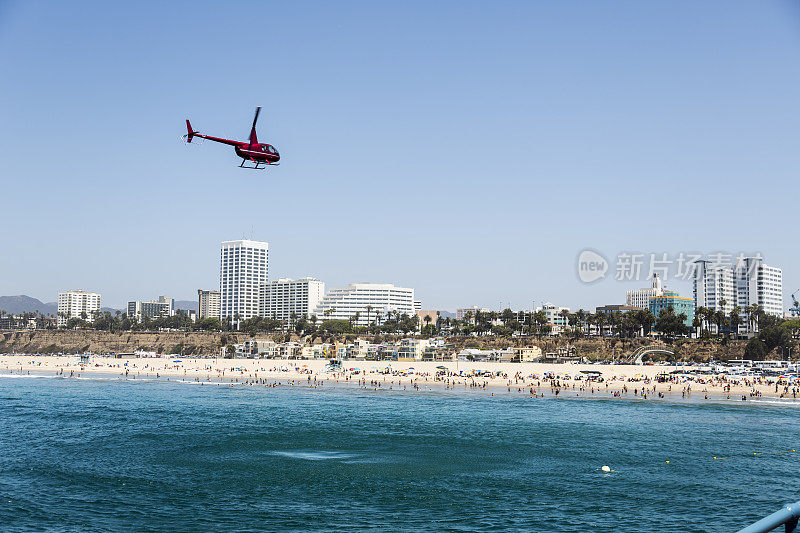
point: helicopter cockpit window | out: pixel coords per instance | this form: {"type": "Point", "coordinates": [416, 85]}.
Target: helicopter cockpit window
{"type": "Point", "coordinates": [271, 149]}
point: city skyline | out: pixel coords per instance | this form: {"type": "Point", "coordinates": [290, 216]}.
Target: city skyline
{"type": "Point", "coordinates": [251, 274]}
{"type": "Point", "coordinates": [473, 162]}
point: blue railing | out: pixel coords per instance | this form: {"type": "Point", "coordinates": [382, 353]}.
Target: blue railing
{"type": "Point", "coordinates": [787, 516]}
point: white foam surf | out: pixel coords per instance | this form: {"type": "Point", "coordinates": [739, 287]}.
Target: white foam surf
{"type": "Point", "coordinates": [320, 455]}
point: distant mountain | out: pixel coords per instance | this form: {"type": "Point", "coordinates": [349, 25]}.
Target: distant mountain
{"type": "Point", "coordinates": [186, 305]}
{"type": "Point", "coordinates": [25, 304]}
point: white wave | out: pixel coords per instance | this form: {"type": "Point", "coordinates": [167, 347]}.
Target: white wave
{"type": "Point", "coordinates": [320, 455]}
{"type": "Point", "coordinates": [783, 403]}
{"type": "Point", "coordinates": [35, 376]}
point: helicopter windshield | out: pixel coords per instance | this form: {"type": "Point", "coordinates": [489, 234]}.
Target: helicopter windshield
{"type": "Point", "coordinates": [272, 150]}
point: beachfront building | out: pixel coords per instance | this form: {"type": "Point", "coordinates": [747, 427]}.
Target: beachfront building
{"type": "Point", "coordinates": [679, 304]}
{"type": "Point", "coordinates": [243, 269]}
{"type": "Point", "coordinates": [208, 304]}
{"type": "Point", "coordinates": [411, 349]}
{"type": "Point", "coordinates": [439, 350]}
{"type": "Point", "coordinates": [557, 317]}
{"type": "Point", "coordinates": [191, 314]}
{"type": "Point", "coordinates": [372, 301]}
{"type": "Point", "coordinates": [640, 298]}
{"type": "Point", "coordinates": [714, 287]}
{"type": "Point", "coordinates": [284, 298]}
{"type": "Point", "coordinates": [464, 312]}
{"type": "Point", "coordinates": [427, 318]}
{"type": "Point", "coordinates": [757, 283]}
{"type": "Point", "coordinates": [77, 304]}
{"type": "Point", "coordinates": [164, 306]}
{"type": "Point", "coordinates": [749, 282]}
{"type": "Point", "coordinates": [617, 308]}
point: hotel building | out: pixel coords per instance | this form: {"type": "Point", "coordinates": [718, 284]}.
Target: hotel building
{"type": "Point", "coordinates": [555, 318]}
{"type": "Point", "coordinates": [713, 286]}
{"type": "Point", "coordinates": [757, 283]}
{"type": "Point", "coordinates": [72, 304]}
{"type": "Point", "coordinates": [679, 305]}
{"type": "Point", "coordinates": [641, 297]}
{"type": "Point", "coordinates": [284, 297]}
{"type": "Point", "coordinates": [749, 282]}
{"type": "Point", "coordinates": [164, 306]}
{"type": "Point", "coordinates": [208, 304]}
{"type": "Point", "coordinates": [243, 268]}
{"type": "Point", "coordinates": [381, 298]}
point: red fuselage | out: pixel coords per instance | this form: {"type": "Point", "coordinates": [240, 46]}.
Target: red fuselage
{"type": "Point", "coordinates": [265, 153]}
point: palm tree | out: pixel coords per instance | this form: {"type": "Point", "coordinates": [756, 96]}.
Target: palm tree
{"type": "Point", "coordinates": [719, 320]}
{"type": "Point", "coordinates": [564, 314]}
{"type": "Point", "coordinates": [369, 312]}
{"type": "Point", "coordinates": [752, 317]}
{"type": "Point", "coordinates": [722, 303]}
{"type": "Point", "coordinates": [600, 320]}
{"type": "Point", "coordinates": [735, 319]}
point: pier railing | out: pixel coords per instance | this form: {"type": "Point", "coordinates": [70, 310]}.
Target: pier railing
{"type": "Point", "coordinates": [787, 517]}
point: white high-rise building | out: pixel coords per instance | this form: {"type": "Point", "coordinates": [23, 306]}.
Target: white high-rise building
{"type": "Point", "coordinates": [641, 297]}
{"type": "Point", "coordinates": [461, 313]}
{"type": "Point", "coordinates": [164, 306]}
{"type": "Point", "coordinates": [757, 283]}
{"type": "Point", "coordinates": [555, 316]}
{"type": "Point", "coordinates": [749, 282]}
{"type": "Point", "coordinates": [714, 286]}
{"type": "Point", "coordinates": [72, 304]}
{"type": "Point", "coordinates": [381, 298]}
{"type": "Point", "coordinates": [243, 268]}
{"type": "Point", "coordinates": [207, 304]}
{"type": "Point", "coordinates": [283, 298]}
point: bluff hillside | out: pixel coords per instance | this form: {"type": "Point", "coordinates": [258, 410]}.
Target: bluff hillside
{"type": "Point", "coordinates": [209, 344]}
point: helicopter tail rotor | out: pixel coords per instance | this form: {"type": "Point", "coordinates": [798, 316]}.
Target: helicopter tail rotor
{"type": "Point", "coordinates": [191, 133]}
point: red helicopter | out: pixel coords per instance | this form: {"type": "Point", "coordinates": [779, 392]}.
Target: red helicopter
{"type": "Point", "coordinates": [252, 150]}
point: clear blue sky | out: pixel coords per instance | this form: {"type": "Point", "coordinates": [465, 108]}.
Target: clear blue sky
{"type": "Point", "coordinates": [467, 149]}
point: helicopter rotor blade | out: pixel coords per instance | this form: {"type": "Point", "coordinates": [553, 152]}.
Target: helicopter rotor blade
{"type": "Point", "coordinates": [253, 138]}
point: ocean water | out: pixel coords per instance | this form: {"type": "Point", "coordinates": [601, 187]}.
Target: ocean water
{"type": "Point", "coordinates": [110, 455]}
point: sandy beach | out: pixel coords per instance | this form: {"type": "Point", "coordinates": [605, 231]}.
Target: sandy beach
{"type": "Point", "coordinates": [531, 379]}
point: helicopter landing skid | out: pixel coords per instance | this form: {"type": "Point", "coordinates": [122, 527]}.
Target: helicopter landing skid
{"type": "Point", "coordinates": [258, 165]}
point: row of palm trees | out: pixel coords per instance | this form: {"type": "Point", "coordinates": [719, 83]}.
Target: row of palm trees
{"type": "Point", "coordinates": [705, 318]}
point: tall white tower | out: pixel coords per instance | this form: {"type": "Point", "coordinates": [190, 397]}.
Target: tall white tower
{"type": "Point", "coordinates": [757, 283]}
{"type": "Point", "coordinates": [714, 284]}
{"type": "Point", "coordinates": [243, 268]}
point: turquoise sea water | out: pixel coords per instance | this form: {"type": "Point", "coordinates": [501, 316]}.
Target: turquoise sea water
{"type": "Point", "coordinates": [95, 454]}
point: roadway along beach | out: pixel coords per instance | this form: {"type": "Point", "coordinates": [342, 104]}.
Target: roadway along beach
{"type": "Point", "coordinates": [532, 379]}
